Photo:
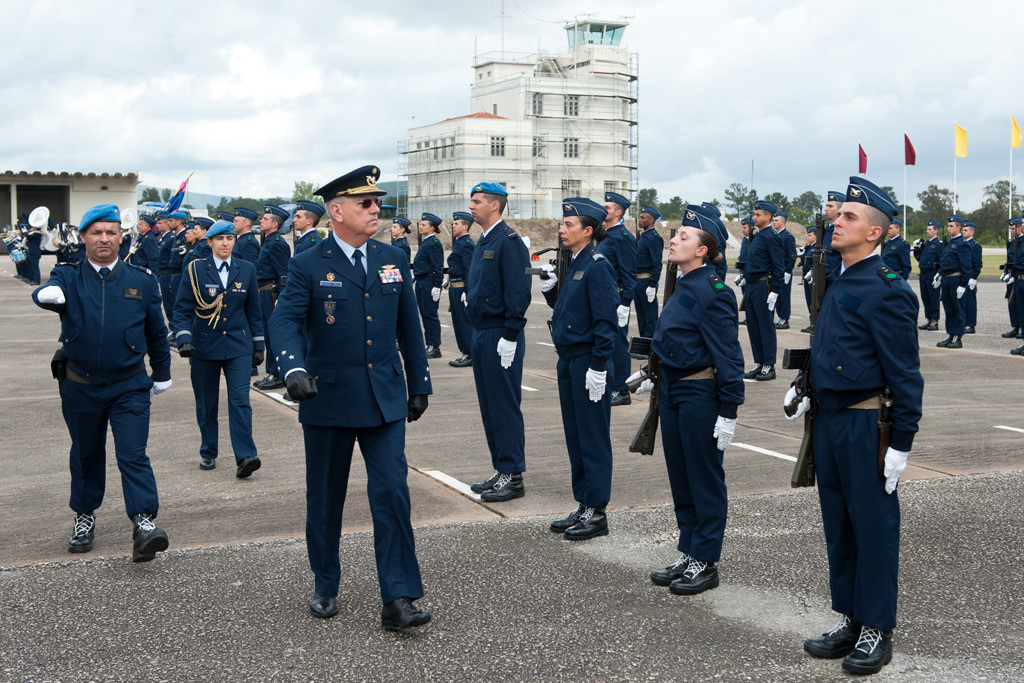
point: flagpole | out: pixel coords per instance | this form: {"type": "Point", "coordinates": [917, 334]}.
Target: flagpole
{"type": "Point", "coordinates": [904, 199]}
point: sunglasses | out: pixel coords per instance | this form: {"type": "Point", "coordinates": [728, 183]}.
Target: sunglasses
{"type": "Point", "coordinates": [367, 203]}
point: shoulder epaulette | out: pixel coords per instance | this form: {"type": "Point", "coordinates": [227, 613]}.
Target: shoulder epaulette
{"type": "Point", "coordinates": [598, 256]}
{"type": "Point", "coordinates": [145, 270]}
{"type": "Point", "coordinates": [888, 275]}
{"type": "Point", "coordinates": [312, 240]}
{"type": "Point", "coordinates": [510, 233]}
{"type": "Point", "coordinates": [716, 283]}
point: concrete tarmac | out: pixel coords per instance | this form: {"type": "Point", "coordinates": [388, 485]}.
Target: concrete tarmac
{"type": "Point", "coordinates": [510, 600]}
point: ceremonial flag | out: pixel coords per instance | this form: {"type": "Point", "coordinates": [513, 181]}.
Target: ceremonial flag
{"type": "Point", "coordinates": [960, 140]}
{"type": "Point", "coordinates": [175, 201]}
{"type": "Point", "coordinates": [862, 160]}
{"type": "Point", "coordinates": [1014, 133]}
{"type": "Point", "coordinates": [910, 156]}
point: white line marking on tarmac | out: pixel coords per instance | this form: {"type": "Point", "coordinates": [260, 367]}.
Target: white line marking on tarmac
{"type": "Point", "coordinates": [1009, 429]}
{"type": "Point", "coordinates": [765, 451]}
{"type": "Point", "coordinates": [442, 324]}
{"type": "Point", "coordinates": [546, 344]}
{"type": "Point", "coordinates": [526, 388]}
{"type": "Point", "coordinates": [280, 398]}
{"type": "Point", "coordinates": [451, 482]}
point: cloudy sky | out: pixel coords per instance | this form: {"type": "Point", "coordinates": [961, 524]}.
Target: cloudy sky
{"type": "Point", "coordinates": [255, 95]}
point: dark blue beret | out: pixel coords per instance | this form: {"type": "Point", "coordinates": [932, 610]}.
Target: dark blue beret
{"type": "Point", "coordinates": [404, 222]}
{"type": "Point", "coordinates": [765, 206]}
{"type": "Point", "coordinates": [363, 180]}
{"type": "Point", "coordinates": [616, 198]}
{"type": "Point", "coordinates": [463, 216]}
{"type": "Point", "coordinates": [651, 211]}
{"type": "Point", "coordinates": [581, 206]}
{"type": "Point", "coordinates": [221, 228]}
{"type": "Point", "coordinates": [312, 207]}
{"type": "Point", "coordinates": [836, 196]}
{"type": "Point", "coordinates": [246, 213]}
{"type": "Point", "coordinates": [863, 191]}
{"type": "Point", "coordinates": [183, 215]}
{"type": "Point", "coordinates": [431, 218]}
{"type": "Point", "coordinates": [489, 188]}
{"type": "Point", "coordinates": [100, 213]}
{"type": "Point", "coordinates": [225, 216]}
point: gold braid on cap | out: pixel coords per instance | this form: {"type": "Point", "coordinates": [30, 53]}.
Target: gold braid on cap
{"type": "Point", "coordinates": [202, 306]}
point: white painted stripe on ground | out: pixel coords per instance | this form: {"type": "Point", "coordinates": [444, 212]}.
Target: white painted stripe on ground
{"type": "Point", "coordinates": [1009, 429]}
{"type": "Point", "coordinates": [765, 451]}
{"type": "Point", "coordinates": [279, 397]}
{"type": "Point", "coordinates": [451, 482]}
{"type": "Point", "coordinates": [526, 388]}
{"type": "Point", "coordinates": [443, 325]}
{"type": "Point", "coordinates": [546, 344]}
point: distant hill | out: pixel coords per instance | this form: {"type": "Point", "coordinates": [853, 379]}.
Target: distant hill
{"type": "Point", "coordinates": [196, 200]}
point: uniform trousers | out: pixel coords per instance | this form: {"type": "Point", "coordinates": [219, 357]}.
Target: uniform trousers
{"type": "Point", "coordinates": [328, 460]}
{"type": "Point", "coordinates": [971, 307]}
{"type": "Point", "coordinates": [688, 411]}
{"type": "Point", "coordinates": [500, 394]}
{"type": "Point", "coordinates": [1011, 306]}
{"type": "Point", "coordinates": [760, 324]}
{"type": "Point", "coordinates": [952, 306]}
{"type": "Point", "coordinates": [808, 290]}
{"type": "Point", "coordinates": [1018, 300]}
{"type": "Point", "coordinates": [428, 312]}
{"type": "Point", "coordinates": [32, 269]}
{"type": "Point", "coordinates": [646, 311]}
{"type": "Point", "coordinates": [861, 521]}
{"type": "Point", "coordinates": [167, 295]}
{"type": "Point", "coordinates": [929, 296]}
{"type": "Point", "coordinates": [587, 436]}
{"type": "Point", "coordinates": [266, 308]}
{"type": "Point", "coordinates": [460, 320]}
{"type": "Point", "coordinates": [205, 375]}
{"type": "Point", "coordinates": [784, 306]}
{"type": "Point", "coordinates": [620, 358]}
{"type": "Point", "coordinates": [124, 406]}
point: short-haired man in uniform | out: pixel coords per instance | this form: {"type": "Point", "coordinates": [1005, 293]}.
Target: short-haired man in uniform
{"type": "Point", "coordinates": [955, 269]}
{"type": "Point", "coordinates": [354, 296]}
{"type": "Point", "coordinates": [163, 263]}
{"type": "Point", "coordinates": [834, 200]}
{"type": "Point", "coordinates": [619, 247]}
{"type": "Point", "coordinates": [867, 324]}
{"type": "Point", "coordinates": [650, 247]}
{"type": "Point", "coordinates": [807, 267]}
{"type": "Point", "coordinates": [746, 227]}
{"type": "Point", "coordinates": [144, 253]}
{"type": "Point", "coordinates": [247, 247]}
{"type": "Point", "coordinates": [428, 270]}
{"type": "Point", "coordinates": [763, 273]}
{"type": "Point", "coordinates": [971, 295]}
{"type": "Point", "coordinates": [458, 267]}
{"type": "Point", "coordinates": [497, 298]}
{"type": "Point", "coordinates": [784, 306]}
{"type": "Point", "coordinates": [1012, 245]}
{"type": "Point", "coordinates": [271, 273]}
{"type": "Point", "coordinates": [110, 320]}
{"type": "Point", "coordinates": [929, 256]}
{"type": "Point", "coordinates": [304, 222]}
{"type": "Point", "coordinates": [896, 251]}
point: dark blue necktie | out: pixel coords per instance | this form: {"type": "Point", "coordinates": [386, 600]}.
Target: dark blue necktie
{"type": "Point", "coordinates": [104, 272]}
{"type": "Point", "coordinates": [357, 259]}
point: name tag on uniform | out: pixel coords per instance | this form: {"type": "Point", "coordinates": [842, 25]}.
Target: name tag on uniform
{"type": "Point", "coordinates": [389, 275]}
{"type": "Point", "coordinates": [578, 275]}
{"type": "Point", "coordinates": [488, 255]}
{"type": "Point", "coordinates": [330, 283]}
{"type": "Point", "coordinates": [132, 293]}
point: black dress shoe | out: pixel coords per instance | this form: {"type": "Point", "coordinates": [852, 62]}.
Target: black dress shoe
{"type": "Point", "coordinates": [969, 330]}
{"type": "Point", "coordinates": [782, 325]}
{"type": "Point", "coordinates": [933, 327]}
{"type": "Point", "coordinates": [592, 523]}
{"type": "Point", "coordinates": [767, 373]}
{"type": "Point", "coordinates": [560, 525]}
{"type": "Point", "coordinates": [1009, 335]}
{"type": "Point", "coordinates": [872, 651]}
{"type": "Point", "coordinates": [83, 533]}
{"type": "Point", "coordinates": [955, 342]}
{"type": "Point", "coordinates": [743, 322]}
{"type": "Point", "coordinates": [487, 483]}
{"type": "Point", "coordinates": [507, 487]}
{"type": "Point", "coordinates": [621, 398]}
{"type": "Point", "coordinates": [945, 342]}
{"type": "Point", "coordinates": [401, 613]}
{"type": "Point", "coordinates": [433, 352]}
{"type": "Point", "coordinates": [926, 326]}
{"type": "Point", "coordinates": [753, 373]}
{"type": "Point", "coordinates": [836, 643]}
{"type": "Point", "coordinates": [207, 464]}
{"type": "Point", "coordinates": [322, 607]}
{"type": "Point", "coordinates": [286, 396]}
{"type": "Point", "coordinates": [663, 577]}
{"type": "Point", "coordinates": [147, 538]}
{"type": "Point", "coordinates": [807, 330]}
{"type": "Point", "coordinates": [698, 577]}
{"type": "Point", "coordinates": [1019, 351]}
{"type": "Point", "coordinates": [247, 466]}
{"type": "Point", "coordinates": [463, 361]}
{"type": "Point", "coordinates": [269, 382]}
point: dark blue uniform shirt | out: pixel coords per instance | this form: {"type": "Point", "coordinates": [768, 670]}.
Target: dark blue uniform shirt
{"type": "Point", "coordinates": [649, 248]}
{"type": "Point", "coordinates": [239, 329]}
{"type": "Point", "coordinates": [896, 255]}
{"type": "Point", "coordinates": [956, 258]}
{"type": "Point", "coordinates": [584, 320]}
{"type": "Point", "coordinates": [619, 247]}
{"type": "Point", "coordinates": [765, 256]}
{"type": "Point", "coordinates": [499, 287]}
{"type": "Point", "coordinates": [460, 258]}
{"type": "Point", "coordinates": [930, 256]}
{"type": "Point", "coordinates": [429, 261]}
{"type": "Point", "coordinates": [247, 247]}
{"type": "Point", "coordinates": [272, 262]}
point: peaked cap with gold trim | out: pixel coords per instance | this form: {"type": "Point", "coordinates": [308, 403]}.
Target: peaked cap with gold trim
{"type": "Point", "coordinates": [361, 181]}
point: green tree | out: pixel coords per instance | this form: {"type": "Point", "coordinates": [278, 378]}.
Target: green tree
{"type": "Point", "coordinates": [648, 196]}
{"type": "Point", "coordinates": [991, 217]}
{"type": "Point", "coordinates": [303, 190]}
{"type": "Point", "coordinates": [740, 199]}
{"type": "Point", "coordinates": [150, 194]}
{"type": "Point", "coordinates": [936, 203]}
{"type": "Point", "coordinates": [891, 191]}
{"type": "Point", "coordinates": [672, 209]}
{"type": "Point", "coordinates": [804, 207]}
{"type": "Point", "coordinates": [165, 194]}
{"type": "Point", "coordinates": [780, 201]}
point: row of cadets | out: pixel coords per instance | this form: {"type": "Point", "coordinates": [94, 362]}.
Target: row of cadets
{"type": "Point", "coordinates": [619, 247]}
{"type": "Point", "coordinates": [198, 248]}
{"type": "Point", "coordinates": [650, 246]}
{"type": "Point", "coordinates": [428, 271]}
{"type": "Point", "coordinates": [271, 274]}
{"type": "Point", "coordinates": [458, 267]}
{"type": "Point", "coordinates": [176, 249]}
{"type": "Point", "coordinates": [929, 256]}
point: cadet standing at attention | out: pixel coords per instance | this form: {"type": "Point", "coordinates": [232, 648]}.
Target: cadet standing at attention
{"type": "Point", "coordinates": [763, 273]}
{"type": "Point", "coordinates": [746, 227]}
{"type": "Point", "coordinates": [649, 249]}
{"type": "Point", "coordinates": [896, 251]}
{"type": "Point", "coordinates": [217, 337]}
{"type": "Point", "coordinates": [1012, 245]}
{"type": "Point", "coordinates": [864, 354]}
{"type": "Point", "coordinates": [497, 298]}
{"type": "Point", "coordinates": [307, 217]}
{"type": "Point", "coordinates": [247, 247]}
{"type": "Point", "coordinates": [355, 298]}
{"type": "Point", "coordinates": [399, 230]}
{"type": "Point", "coordinates": [145, 254]}
{"type": "Point", "coordinates": [929, 256]}
{"type": "Point", "coordinates": [177, 235]}
{"type": "Point", "coordinates": [619, 247]}
{"type": "Point", "coordinates": [458, 268]}
{"type": "Point", "coordinates": [428, 269]}
{"type": "Point", "coordinates": [955, 269]}
{"type": "Point", "coordinates": [784, 306]}
{"type": "Point", "coordinates": [971, 295]}
{"type": "Point", "coordinates": [110, 320]}
{"type": "Point", "coordinates": [271, 273]}
{"type": "Point", "coordinates": [583, 328]}
{"type": "Point", "coordinates": [807, 267]}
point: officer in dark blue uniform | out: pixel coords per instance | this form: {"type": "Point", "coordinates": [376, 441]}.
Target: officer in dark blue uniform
{"type": "Point", "coordinates": [110, 320]}
{"type": "Point", "coordinates": [649, 249]}
{"type": "Point", "coordinates": [399, 230]}
{"type": "Point", "coordinates": [1012, 246]}
{"type": "Point", "coordinates": [458, 268]}
{"type": "Point", "coordinates": [784, 306]}
{"type": "Point", "coordinates": [165, 241]}
{"type": "Point", "coordinates": [498, 294]}
{"type": "Point", "coordinates": [835, 200]}
{"type": "Point", "coordinates": [584, 329]}
{"type": "Point", "coordinates": [176, 249]}
{"type": "Point", "coordinates": [34, 247]}
{"type": "Point", "coordinates": [955, 267]}
{"type": "Point", "coordinates": [746, 227]}
{"type": "Point", "coordinates": [247, 245]}
{"type": "Point", "coordinates": [807, 267]}
{"type": "Point", "coordinates": [619, 247]}
{"type": "Point", "coordinates": [701, 375]}
{"type": "Point", "coordinates": [271, 274]}
{"type": "Point", "coordinates": [145, 252]}
{"type": "Point", "coordinates": [305, 221]}
{"type": "Point", "coordinates": [198, 247]}
{"type": "Point", "coordinates": [228, 216]}
{"type": "Point", "coordinates": [971, 295]}
{"type": "Point", "coordinates": [126, 244]}
{"type": "Point", "coordinates": [896, 251]}
{"type": "Point", "coordinates": [428, 270]}
{"type": "Point", "coordinates": [763, 273]}
{"type": "Point", "coordinates": [354, 296]}
{"type": "Point", "coordinates": [721, 235]}
{"type": "Point", "coordinates": [864, 352]}
{"type": "Point", "coordinates": [929, 256]}
{"type": "Point", "coordinates": [219, 327]}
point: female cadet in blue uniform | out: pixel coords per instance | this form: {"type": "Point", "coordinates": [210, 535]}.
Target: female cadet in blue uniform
{"type": "Point", "coordinates": [583, 328]}
{"type": "Point", "coordinates": [929, 256]}
{"type": "Point", "coordinates": [428, 271]}
{"type": "Point", "coordinates": [218, 325]}
{"type": "Point", "coordinates": [697, 344]}
{"type": "Point", "coordinates": [458, 267]}
{"type": "Point", "coordinates": [110, 320]}
{"type": "Point", "coordinates": [649, 249]}
{"type": "Point", "coordinates": [271, 272]}
{"type": "Point", "coordinates": [399, 230]}
{"type": "Point", "coordinates": [865, 343]}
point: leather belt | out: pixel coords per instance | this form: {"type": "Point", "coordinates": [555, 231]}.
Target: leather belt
{"type": "Point", "coordinates": [119, 377]}
{"type": "Point", "coordinates": [951, 274]}
{"type": "Point", "coordinates": [643, 276]}
{"type": "Point", "coordinates": [456, 285]}
{"type": "Point", "coordinates": [706, 373]}
{"type": "Point", "coordinates": [761, 278]}
{"type": "Point", "coordinates": [870, 403]}
{"type": "Point", "coordinates": [175, 272]}
{"type": "Point", "coordinates": [1018, 277]}
{"type": "Point", "coordinates": [269, 287]}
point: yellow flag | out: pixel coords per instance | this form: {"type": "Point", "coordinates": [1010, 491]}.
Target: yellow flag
{"type": "Point", "coordinates": [1014, 133]}
{"type": "Point", "coordinates": [960, 140]}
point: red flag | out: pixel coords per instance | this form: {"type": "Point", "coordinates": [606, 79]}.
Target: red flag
{"type": "Point", "coordinates": [863, 160]}
{"type": "Point", "coordinates": [908, 151]}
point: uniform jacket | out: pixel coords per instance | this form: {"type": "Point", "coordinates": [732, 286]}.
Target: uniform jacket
{"type": "Point", "coordinates": [239, 331]}
{"type": "Point", "coordinates": [765, 256]}
{"type": "Point", "coordinates": [619, 247]}
{"type": "Point", "coordinates": [585, 309]}
{"type": "Point", "coordinates": [1018, 251]}
{"type": "Point", "coordinates": [174, 259]}
{"type": "Point", "coordinates": [976, 257]}
{"type": "Point", "coordinates": [788, 249]}
{"type": "Point", "coordinates": [306, 241]}
{"type": "Point", "coordinates": [166, 242]}
{"type": "Point", "coordinates": [196, 252]}
{"type": "Point", "coordinates": [247, 247]}
{"type": "Point", "coordinates": [34, 244]}
{"type": "Point", "coordinates": [108, 327]}
{"type": "Point", "coordinates": [649, 248]}
{"type": "Point", "coordinates": [429, 261]}
{"type": "Point", "coordinates": [460, 258]}
{"type": "Point", "coordinates": [272, 263]}
{"type": "Point", "coordinates": [930, 256]}
{"type": "Point", "coordinates": [896, 255]}
{"type": "Point", "coordinates": [499, 287]}
{"type": "Point", "coordinates": [344, 335]}
{"type": "Point", "coordinates": [147, 252]}
{"type": "Point", "coordinates": [126, 246]}
{"type": "Point", "coordinates": [741, 263]}
{"type": "Point", "coordinates": [956, 257]}
{"type": "Point", "coordinates": [403, 244]}
{"type": "Point", "coordinates": [807, 258]}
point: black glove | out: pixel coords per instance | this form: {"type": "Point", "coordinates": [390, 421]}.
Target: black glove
{"type": "Point", "coordinates": [301, 386]}
{"type": "Point", "coordinates": [186, 350]}
{"type": "Point", "coordinates": [257, 358]}
{"type": "Point", "coordinates": [417, 404]}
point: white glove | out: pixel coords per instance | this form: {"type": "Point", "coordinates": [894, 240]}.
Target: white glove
{"type": "Point", "coordinates": [51, 294]}
{"type": "Point", "coordinates": [623, 313]}
{"type": "Point", "coordinates": [548, 283]}
{"type": "Point", "coordinates": [725, 428]}
{"type": "Point", "coordinates": [464, 299]}
{"type": "Point", "coordinates": [972, 283]}
{"type": "Point", "coordinates": [800, 251]}
{"type": "Point", "coordinates": [809, 278]}
{"type": "Point", "coordinates": [1005, 277]}
{"type": "Point", "coordinates": [646, 387]}
{"type": "Point", "coordinates": [159, 388]}
{"type": "Point", "coordinates": [772, 298]}
{"type": "Point", "coordinates": [651, 293]}
{"type": "Point", "coordinates": [802, 407]}
{"type": "Point", "coordinates": [596, 383]}
{"type": "Point", "coordinates": [787, 277]}
{"type": "Point", "coordinates": [895, 463]}
{"type": "Point", "coordinates": [435, 293]}
{"type": "Point", "coordinates": [738, 280]}
{"type": "Point", "coordinates": [917, 243]}
{"type": "Point", "coordinates": [960, 292]}
{"type": "Point", "coordinates": [936, 281]}
{"type": "Point", "coordinates": [507, 351]}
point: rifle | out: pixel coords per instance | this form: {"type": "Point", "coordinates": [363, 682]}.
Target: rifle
{"type": "Point", "coordinates": [671, 275]}
{"type": "Point", "coordinates": [643, 441]}
{"type": "Point", "coordinates": [561, 263]}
